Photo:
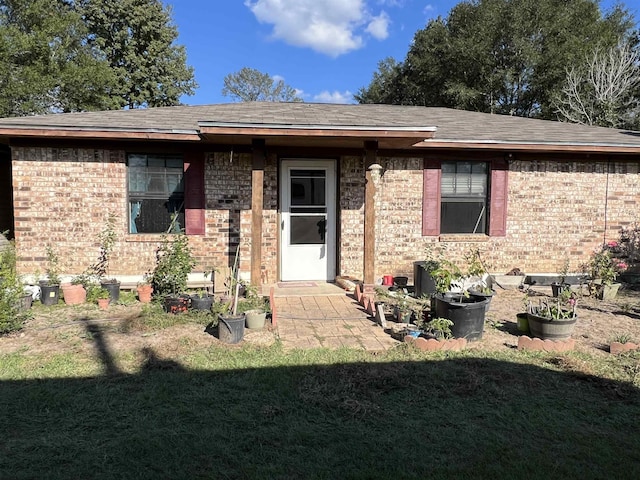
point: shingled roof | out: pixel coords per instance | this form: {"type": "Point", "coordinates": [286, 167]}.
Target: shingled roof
{"type": "Point", "coordinates": [452, 127]}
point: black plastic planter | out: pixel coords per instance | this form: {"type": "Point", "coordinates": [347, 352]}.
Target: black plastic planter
{"type": "Point", "coordinates": [466, 313]}
{"type": "Point", "coordinates": [201, 303]}
{"type": "Point", "coordinates": [113, 287]}
{"type": "Point", "coordinates": [176, 304]}
{"type": "Point", "coordinates": [49, 294]}
{"type": "Point", "coordinates": [231, 328]}
{"type": "Point", "coordinates": [423, 282]}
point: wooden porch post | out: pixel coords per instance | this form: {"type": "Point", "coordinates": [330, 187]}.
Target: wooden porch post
{"type": "Point", "coordinates": [257, 187]}
{"type": "Point", "coordinates": [370, 149]}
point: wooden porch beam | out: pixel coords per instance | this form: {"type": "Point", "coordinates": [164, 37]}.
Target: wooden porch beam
{"type": "Point", "coordinates": [257, 188]}
{"type": "Point", "coordinates": [370, 149]}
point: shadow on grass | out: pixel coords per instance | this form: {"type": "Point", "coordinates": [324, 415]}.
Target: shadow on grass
{"type": "Point", "coordinates": [463, 417]}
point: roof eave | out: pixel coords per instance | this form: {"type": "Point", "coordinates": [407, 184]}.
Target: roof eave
{"type": "Point", "coordinates": [559, 147]}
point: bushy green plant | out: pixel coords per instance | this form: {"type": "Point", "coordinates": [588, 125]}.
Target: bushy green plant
{"type": "Point", "coordinates": [12, 318]}
{"type": "Point", "coordinates": [53, 266]}
{"type": "Point", "coordinates": [439, 327]}
{"type": "Point", "coordinates": [252, 301]}
{"type": "Point", "coordinates": [107, 240]}
{"type": "Point", "coordinates": [174, 262]}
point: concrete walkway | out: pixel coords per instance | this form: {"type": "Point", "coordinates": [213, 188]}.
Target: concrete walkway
{"type": "Point", "coordinates": [322, 315]}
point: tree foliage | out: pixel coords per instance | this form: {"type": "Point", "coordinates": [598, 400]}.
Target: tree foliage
{"type": "Point", "coordinates": [251, 85]}
{"type": "Point", "coordinates": [63, 56]}
{"type": "Point", "coordinates": [47, 65]}
{"type": "Point", "coordinates": [136, 37]}
{"type": "Point", "coordinates": [501, 56]}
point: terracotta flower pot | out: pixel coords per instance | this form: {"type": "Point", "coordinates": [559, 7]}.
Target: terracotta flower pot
{"type": "Point", "coordinates": [144, 293]}
{"type": "Point", "coordinates": [103, 303]}
{"type": "Point", "coordinates": [73, 294]}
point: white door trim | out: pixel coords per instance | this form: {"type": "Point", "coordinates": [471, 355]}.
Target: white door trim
{"type": "Point", "coordinates": [308, 261]}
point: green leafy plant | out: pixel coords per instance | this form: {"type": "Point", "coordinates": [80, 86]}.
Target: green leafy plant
{"type": "Point", "coordinates": [107, 240]}
{"type": "Point", "coordinates": [102, 293]}
{"type": "Point", "coordinates": [174, 262]}
{"type": "Point", "coordinates": [475, 267]}
{"type": "Point", "coordinates": [12, 318]}
{"type": "Point", "coordinates": [564, 271]}
{"type": "Point", "coordinates": [53, 266]}
{"type": "Point", "coordinates": [554, 309]}
{"type": "Point", "coordinates": [603, 267]}
{"type": "Point", "coordinates": [439, 327]}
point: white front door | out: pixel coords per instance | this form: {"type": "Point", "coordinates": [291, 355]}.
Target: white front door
{"type": "Point", "coordinates": [308, 210]}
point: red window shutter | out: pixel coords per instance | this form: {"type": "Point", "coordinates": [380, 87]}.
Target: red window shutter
{"type": "Point", "coordinates": [431, 197]}
{"type": "Point", "coordinates": [194, 199]}
{"type": "Point", "coordinates": [498, 200]}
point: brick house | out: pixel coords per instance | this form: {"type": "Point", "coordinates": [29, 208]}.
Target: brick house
{"type": "Point", "coordinates": [311, 191]}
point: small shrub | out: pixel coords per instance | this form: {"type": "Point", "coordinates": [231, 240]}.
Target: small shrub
{"type": "Point", "coordinates": [174, 262]}
{"type": "Point", "coordinates": [12, 317]}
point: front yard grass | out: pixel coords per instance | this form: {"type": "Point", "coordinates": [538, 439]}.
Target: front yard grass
{"type": "Point", "coordinates": [259, 412]}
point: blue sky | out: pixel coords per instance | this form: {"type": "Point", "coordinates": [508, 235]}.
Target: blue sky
{"type": "Point", "coordinates": [326, 49]}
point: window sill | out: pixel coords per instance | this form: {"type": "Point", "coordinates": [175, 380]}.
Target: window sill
{"type": "Point", "coordinates": [143, 237]}
{"type": "Point", "coordinates": [464, 237]}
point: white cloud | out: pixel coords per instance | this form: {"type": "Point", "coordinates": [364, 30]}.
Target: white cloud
{"type": "Point", "coordinates": [379, 26]}
{"type": "Point", "coordinates": [334, 97]}
{"type": "Point", "coordinates": [429, 8]}
{"type": "Point", "coordinates": [331, 27]}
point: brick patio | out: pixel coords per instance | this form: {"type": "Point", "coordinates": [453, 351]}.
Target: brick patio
{"type": "Point", "coordinates": [325, 316]}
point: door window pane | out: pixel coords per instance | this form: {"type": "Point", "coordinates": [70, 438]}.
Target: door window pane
{"type": "Point", "coordinates": [307, 191]}
{"type": "Point", "coordinates": [308, 229]}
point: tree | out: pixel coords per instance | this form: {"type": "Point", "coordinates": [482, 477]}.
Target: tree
{"type": "Point", "coordinates": [47, 65]}
{"type": "Point", "coordinates": [501, 56]}
{"type": "Point", "coordinates": [65, 56]}
{"type": "Point", "coordinates": [136, 37]}
{"type": "Point", "coordinates": [602, 90]}
{"type": "Point", "coordinates": [250, 85]}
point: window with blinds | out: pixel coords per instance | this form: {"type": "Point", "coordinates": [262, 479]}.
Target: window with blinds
{"type": "Point", "coordinates": [156, 193]}
{"type": "Point", "coordinates": [464, 193]}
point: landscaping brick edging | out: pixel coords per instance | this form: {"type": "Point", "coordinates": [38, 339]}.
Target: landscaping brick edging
{"type": "Point", "coordinates": [537, 344]}
{"type": "Point", "coordinates": [617, 347]}
{"type": "Point", "coordinates": [433, 345]}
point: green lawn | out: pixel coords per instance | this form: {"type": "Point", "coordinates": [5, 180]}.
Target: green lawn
{"type": "Point", "coordinates": [261, 413]}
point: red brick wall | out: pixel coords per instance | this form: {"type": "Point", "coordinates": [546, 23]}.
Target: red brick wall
{"type": "Point", "coordinates": [63, 197]}
{"type": "Point", "coordinates": [556, 209]}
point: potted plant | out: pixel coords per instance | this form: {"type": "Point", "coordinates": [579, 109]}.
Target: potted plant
{"type": "Point", "coordinates": [475, 280]}
{"type": "Point", "coordinates": [560, 285]}
{"type": "Point", "coordinates": [423, 280]}
{"type": "Point", "coordinates": [201, 300]}
{"type": "Point", "coordinates": [73, 293]}
{"type": "Point", "coordinates": [107, 241]}
{"type": "Point", "coordinates": [50, 288]}
{"type": "Point", "coordinates": [603, 270]}
{"type": "Point", "coordinates": [103, 298]}
{"type": "Point", "coordinates": [552, 319]}
{"type": "Point", "coordinates": [174, 262]}
{"type": "Point", "coordinates": [254, 307]}
{"type": "Point", "coordinates": [465, 311]}
{"type": "Point", "coordinates": [231, 323]}
{"type": "Point", "coordinates": [144, 289]}
{"type": "Point", "coordinates": [438, 327]}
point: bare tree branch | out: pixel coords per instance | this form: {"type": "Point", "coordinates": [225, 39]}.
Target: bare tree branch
{"type": "Point", "coordinates": [601, 92]}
